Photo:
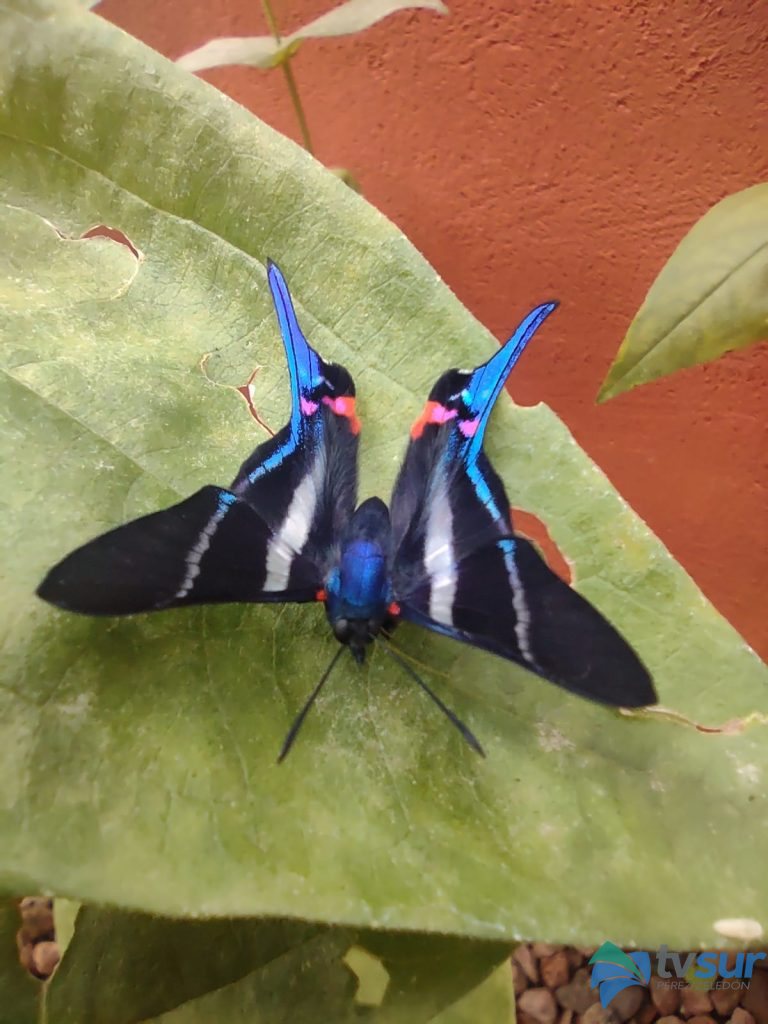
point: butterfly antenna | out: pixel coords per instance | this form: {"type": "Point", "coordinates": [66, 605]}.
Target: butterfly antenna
{"type": "Point", "coordinates": [468, 735]}
{"type": "Point", "coordinates": [299, 719]}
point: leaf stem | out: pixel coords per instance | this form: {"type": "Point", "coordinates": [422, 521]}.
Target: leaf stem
{"type": "Point", "coordinates": [289, 79]}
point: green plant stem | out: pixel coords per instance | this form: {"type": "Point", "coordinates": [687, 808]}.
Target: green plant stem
{"type": "Point", "coordinates": [289, 79]}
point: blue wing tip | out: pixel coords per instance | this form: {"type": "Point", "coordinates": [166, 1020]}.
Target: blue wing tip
{"type": "Point", "coordinates": [273, 271]}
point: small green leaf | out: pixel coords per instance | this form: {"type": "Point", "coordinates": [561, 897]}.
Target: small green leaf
{"type": "Point", "coordinates": [710, 298]}
{"type": "Point", "coordinates": [267, 52]}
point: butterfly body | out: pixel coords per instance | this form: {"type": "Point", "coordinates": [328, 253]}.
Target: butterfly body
{"type": "Point", "coordinates": [358, 591]}
{"type": "Point", "coordinates": [444, 555]}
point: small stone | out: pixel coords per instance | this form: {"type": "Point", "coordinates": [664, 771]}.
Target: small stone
{"type": "Point", "coordinates": [597, 1014]}
{"type": "Point", "coordinates": [45, 956]}
{"type": "Point", "coordinates": [525, 958]}
{"type": "Point", "coordinates": [519, 979]}
{"type": "Point", "coordinates": [37, 917]}
{"type": "Point", "coordinates": [25, 958]}
{"type": "Point", "coordinates": [555, 969]}
{"type": "Point", "coordinates": [741, 1016]}
{"type": "Point", "coordinates": [542, 949]}
{"type": "Point", "coordinates": [669, 1020]}
{"type": "Point", "coordinates": [755, 999]}
{"type": "Point", "coordinates": [23, 938]}
{"type": "Point", "coordinates": [665, 997]}
{"type": "Point", "coordinates": [626, 1003]}
{"type": "Point", "coordinates": [539, 1004]}
{"type": "Point", "coordinates": [646, 1014]}
{"type": "Point", "coordinates": [575, 957]}
{"type": "Point", "coordinates": [577, 994]}
{"type": "Point", "coordinates": [725, 1000]}
{"type": "Point", "coordinates": [694, 1002]}
{"type": "Point", "coordinates": [701, 1018]}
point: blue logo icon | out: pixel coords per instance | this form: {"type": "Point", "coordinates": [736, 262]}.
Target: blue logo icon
{"type": "Point", "coordinates": [613, 970]}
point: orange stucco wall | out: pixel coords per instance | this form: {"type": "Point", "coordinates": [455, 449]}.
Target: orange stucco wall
{"type": "Point", "coordinates": [542, 147]}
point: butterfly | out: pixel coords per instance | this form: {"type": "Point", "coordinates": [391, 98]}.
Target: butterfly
{"type": "Point", "coordinates": [443, 556]}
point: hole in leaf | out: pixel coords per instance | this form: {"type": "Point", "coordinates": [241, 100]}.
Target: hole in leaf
{"type": "Point", "coordinates": [246, 390]}
{"type": "Point", "coordinates": [371, 974]}
{"type": "Point", "coordinates": [105, 231]}
{"type": "Point", "coordinates": [733, 727]}
{"type": "Point", "coordinates": [532, 528]}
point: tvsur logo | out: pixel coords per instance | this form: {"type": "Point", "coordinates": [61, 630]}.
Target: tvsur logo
{"type": "Point", "coordinates": [614, 970]}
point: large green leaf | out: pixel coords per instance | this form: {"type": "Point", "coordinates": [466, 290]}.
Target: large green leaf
{"type": "Point", "coordinates": [137, 757]}
{"type": "Point", "coordinates": [124, 968]}
{"type": "Point", "coordinates": [710, 298]}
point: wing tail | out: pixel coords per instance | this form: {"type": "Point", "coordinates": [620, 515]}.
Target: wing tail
{"type": "Point", "coordinates": [485, 383]}
{"type": "Point", "coordinates": [304, 364]}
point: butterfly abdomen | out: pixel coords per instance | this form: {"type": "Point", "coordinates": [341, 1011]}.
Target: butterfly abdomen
{"type": "Point", "coordinates": [359, 586]}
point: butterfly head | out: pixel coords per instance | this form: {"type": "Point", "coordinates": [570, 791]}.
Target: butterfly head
{"type": "Point", "coordinates": [355, 633]}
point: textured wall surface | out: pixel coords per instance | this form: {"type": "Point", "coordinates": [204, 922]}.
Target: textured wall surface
{"type": "Point", "coordinates": [557, 148]}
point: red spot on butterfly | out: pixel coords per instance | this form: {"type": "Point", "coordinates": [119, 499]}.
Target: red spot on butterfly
{"type": "Point", "coordinates": [344, 406]}
{"type": "Point", "coordinates": [433, 412]}
{"type": "Point", "coordinates": [394, 609]}
{"type": "Point", "coordinates": [320, 595]}
{"type": "Point", "coordinates": [532, 528]}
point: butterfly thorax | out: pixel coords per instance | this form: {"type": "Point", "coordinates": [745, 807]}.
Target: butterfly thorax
{"type": "Point", "coordinates": [359, 589]}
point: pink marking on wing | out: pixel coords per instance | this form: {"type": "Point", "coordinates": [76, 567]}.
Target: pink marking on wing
{"type": "Point", "coordinates": [433, 412]}
{"type": "Point", "coordinates": [344, 406]}
{"type": "Point", "coordinates": [441, 414]}
{"type": "Point", "coordinates": [469, 427]}
{"type": "Point", "coordinates": [307, 406]}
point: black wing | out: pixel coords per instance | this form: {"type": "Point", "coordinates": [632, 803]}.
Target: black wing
{"type": "Point", "coordinates": [271, 537]}
{"type": "Point", "coordinates": [460, 569]}
{"type": "Point", "coordinates": [210, 548]}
